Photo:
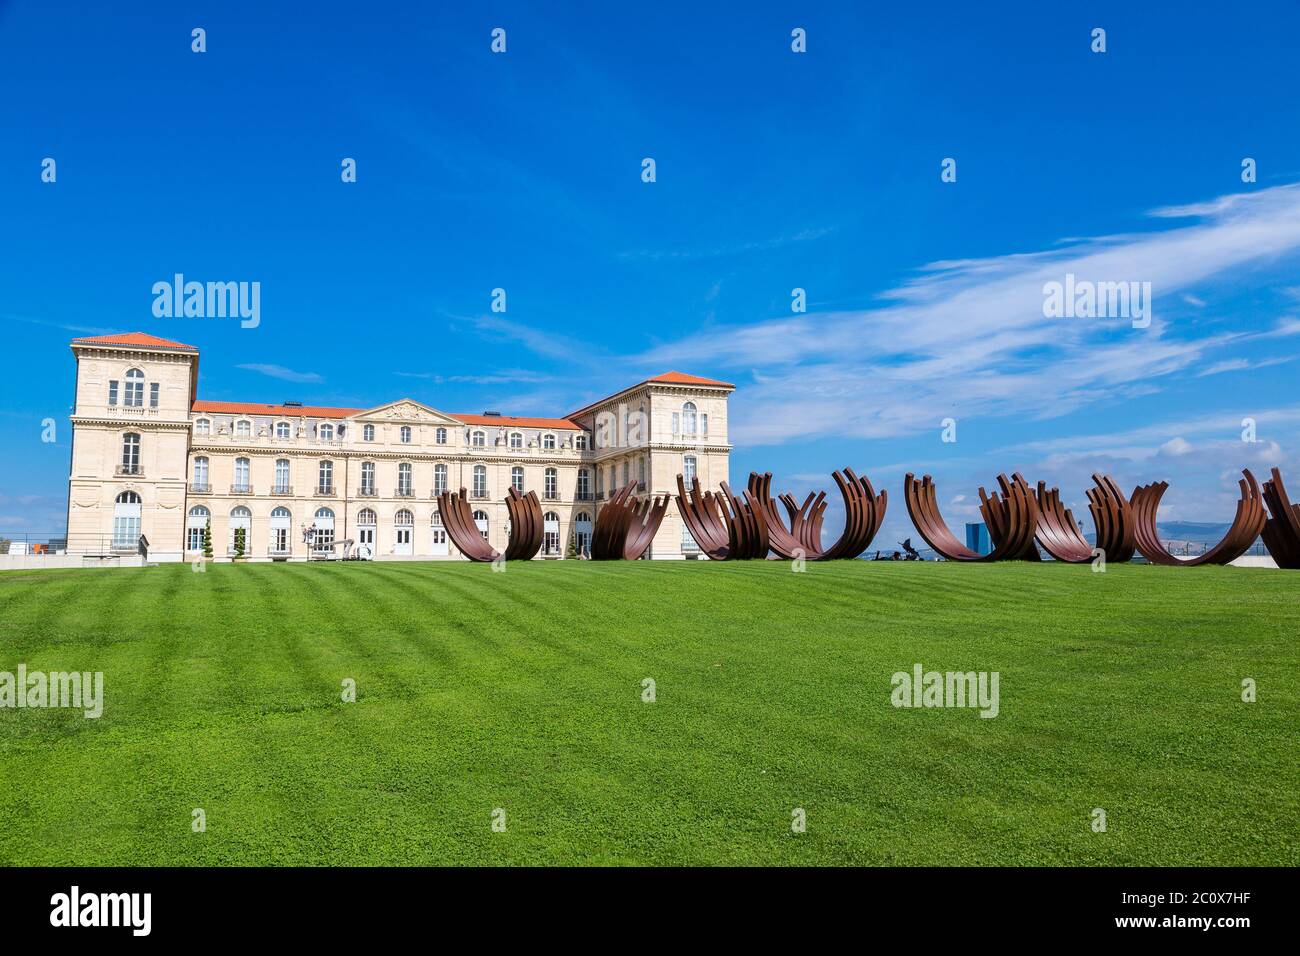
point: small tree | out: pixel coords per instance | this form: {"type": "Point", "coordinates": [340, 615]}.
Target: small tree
{"type": "Point", "coordinates": [239, 542]}
{"type": "Point", "coordinates": [572, 550]}
{"type": "Point", "coordinates": [207, 539]}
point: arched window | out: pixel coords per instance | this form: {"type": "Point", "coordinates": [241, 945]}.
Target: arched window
{"type": "Point", "coordinates": [201, 475]}
{"type": "Point", "coordinates": [582, 532]}
{"type": "Point", "coordinates": [283, 430]}
{"type": "Point", "coordinates": [367, 516]}
{"type": "Point", "coordinates": [282, 477]}
{"type": "Point", "coordinates": [126, 520]}
{"type": "Point", "coordinates": [130, 454]}
{"type": "Point", "coordinates": [325, 483]}
{"type": "Point", "coordinates": [552, 484]}
{"type": "Point", "coordinates": [325, 431]}
{"type": "Point", "coordinates": [480, 481]}
{"type": "Point", "coordinates": [688, 418]}
{"type": "Point", "coordinates": [368, 478]}
{"type": "Point", "coordinates": [516, 440]}
{"type": "Point", "coordinates": [439, 479]}
{"type": "Point", "coordinates": [404, 480]}
{"type": "Point", "coordinates": [440, 436]}
{"type": "Point", "coordinates": [405, 434]}
{"type": "Point", "coordinates": [584, 484]}
{"type": "Point", "coordinates": [478, 439]}
{"type": "Point", "coordinates": [517, 478]}
{"type": "Point", "coordinates": [580, 442]}
{"type": "Point", "coordinates": [548, 442]}
{"type": "Point", "coordinates": [203, 426]}
{"type": "Point", "coordinates": [134, 397]}
{"type": "Point", "coordinates": [195, 522]}
{"type": "Point", "coordinates": [367, 432]}
{"type": "Point", "coordinates": [550, 533]}
{"type": "Point", "coordinates": [323, 539]}
{"type": "Point", "coordinates": [404, 517]}
{"type": "Point", "coordinates": [243, 428]}
{"type": "Point", "coordinates": [481, 520]}
{"type": "Point", "coordinates": [241, 519]}
{"type": "Point", "coordinates": [241, 485]}
{"type": "Point", "coordinates": [688, 469]}
{"type": "Point", "coordinates": [281, 524]}
{"type": "Point", "coordinates": [436, 518]}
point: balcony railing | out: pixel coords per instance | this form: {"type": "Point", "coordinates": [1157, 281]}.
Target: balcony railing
{"type": "Point", "coordinates": [364, 492]}
{"type": "Point", "coordinates": [403, 493]}
{"type": "Point", "coordinates": [282, 490]}
{"type": "Point", "coordinates": [278, 552]}
{"type": "Point", "coordinates": [200, 488]}
{"type": "Point", "coordinates": [238, 489]}
{"type": "Point", "coordinates": [436, 491]}
{"type": "Point", "coordinates": [480, 495]}
{"type": "Point", "coordinates": [325, 490]}
{"type": "Point", "coordinates": [551, 496]}
{"type": "Point", "coordinates": [582, 496]}
{"type": "Point", "coordinates": [133, 471]}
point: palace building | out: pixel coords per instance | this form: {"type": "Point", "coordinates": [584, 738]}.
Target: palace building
{"type": "Point", "coordinates": [152, 460]}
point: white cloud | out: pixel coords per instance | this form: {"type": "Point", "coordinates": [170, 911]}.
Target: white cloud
{"type": "Point", "coordinates": [279, 371]}
{"type": "Point", "coordinates": [968, 337]}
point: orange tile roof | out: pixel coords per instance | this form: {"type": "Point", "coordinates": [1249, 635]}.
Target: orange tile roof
{"type": "Point", "coordinates": [517, 421]}
{"type": "Point", "coordinates": [667, 378]}
{"type": "Point", "coordinates": [287, 411]}
{"type": "Point", "coordinates": [136, 339]}
{"type": "Point", "coordinates": [681, 378]}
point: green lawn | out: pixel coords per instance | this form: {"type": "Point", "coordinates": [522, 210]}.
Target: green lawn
{"type": "Point", "coordinates": [523, 691]}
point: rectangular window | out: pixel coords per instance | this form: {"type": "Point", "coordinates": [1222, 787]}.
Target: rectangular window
{"type": "Point", "coordinates": [193, 538]}
{"type": "Point", "coordinates": [326, 485]}
{"type": "Point", "coordinates": [704, 426]}
{"type": "Point", "coordinates": [367, 477]}
{"type": "Point", "coordinates": [112, 392]}
{"type": "Point", "coordinates": [153, 394]}
{"type": "Point", "coordinates": [282, 476]}
{"type": "Point", "coordinates": [201, 472]}
{"type": "Point", "coordinates": [677, 423]}
{"type": "Point", "coordinates": [126, 531]}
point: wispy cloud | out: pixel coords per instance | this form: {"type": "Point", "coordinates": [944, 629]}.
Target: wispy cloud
{"type": "Point", "coordinates": [279, 371]}
{"type": "Point", "coordinates": [735, 249]}
{"type": "Point", "coordinates": [968, 337]}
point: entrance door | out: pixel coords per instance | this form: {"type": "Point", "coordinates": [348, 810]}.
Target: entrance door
{"type": "Point", "coordinates": [366, 541]}
{"type": "Point", "coordinates": [439, 541]}
{"type": "Point", "coordinates": [402, 544]}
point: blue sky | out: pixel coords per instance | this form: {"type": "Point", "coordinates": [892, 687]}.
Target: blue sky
{"type": "Point", "coordinates": [775, 170]}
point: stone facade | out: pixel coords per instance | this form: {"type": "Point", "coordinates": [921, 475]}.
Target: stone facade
{"type": "Point", "coordinates": [149, 458]}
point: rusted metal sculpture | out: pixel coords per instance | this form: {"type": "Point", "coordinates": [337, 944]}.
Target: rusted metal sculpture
{"type": "Point", "coordinates": [1246, 525]}
{"type": "Point", "coordinates": [1282, 529]}
{"type": "Point", "coordinates": [525, 512]}
{"type": "Point", "coordinates": [864, 511]}
{"type": "Point", "coordinates": [725, 527]}
{"type": "Point", "coordinates": [458, 519]}
{"type": "Point", "coordinates": [625, 526]}
{"type": "Point", "coordinates": [526, 526]}
{"type": "Point", "coordinates": [1012, 519]}
{"type": "Point", "coordinates": [1112, 517]}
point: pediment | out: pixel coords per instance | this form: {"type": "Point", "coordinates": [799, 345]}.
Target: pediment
{"type": "Point", "coordinates": [406, 410]}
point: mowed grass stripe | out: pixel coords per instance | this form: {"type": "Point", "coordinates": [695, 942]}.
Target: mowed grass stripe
{"type": "Point", "coordinates": [522, 690]}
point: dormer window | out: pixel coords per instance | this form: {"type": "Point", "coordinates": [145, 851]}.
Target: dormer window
{"type": "Point", "coordinates": [203, 426]}
{"type": "Point", "coordinates": [548, 443]}
{"type": "Point", "coordinates": [325, 431]}
{"type": "Point", "coordinates": [516, 440]}
{"type": "Point", "coordinates": [478, 439]}
{"type": "Point", "coordinates": [580, 442]}
{"type": "Point", "coordinates": [283, 430]}
{"type": "Point", "coordinates": [243, 428]}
